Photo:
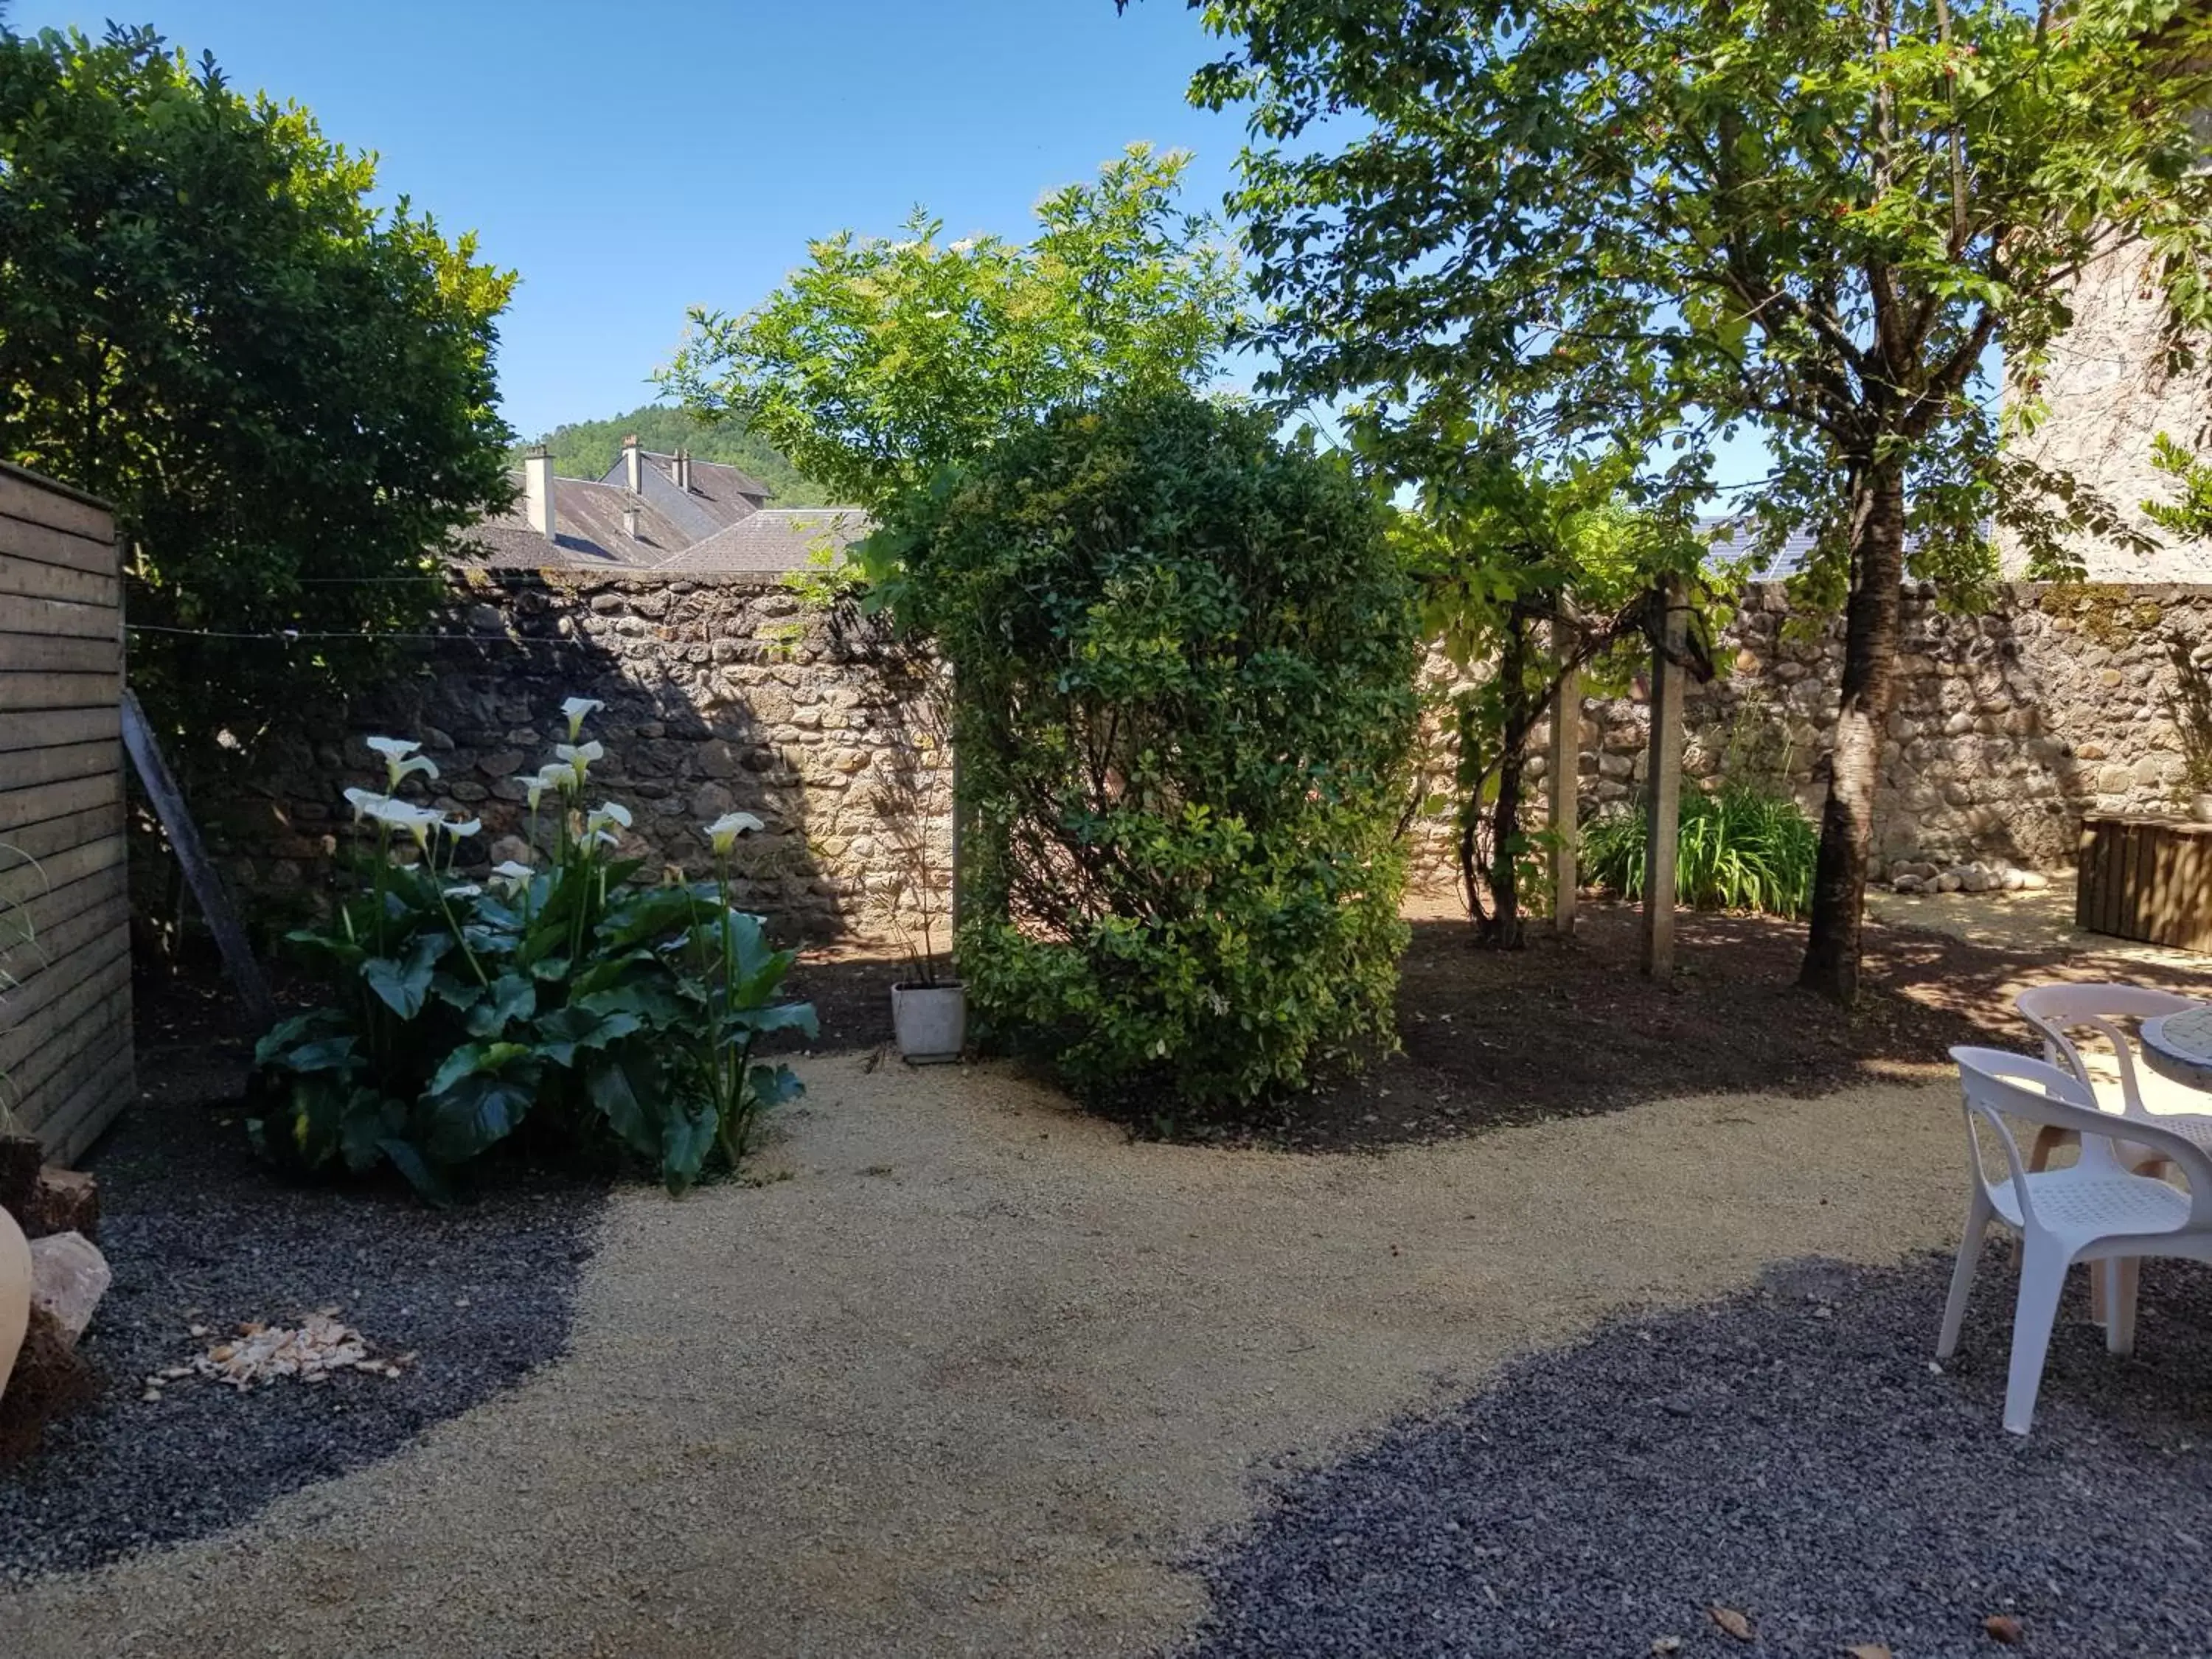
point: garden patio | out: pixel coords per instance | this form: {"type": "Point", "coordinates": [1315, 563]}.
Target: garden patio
{"type": "Point", "coordinates": [958, 1368]}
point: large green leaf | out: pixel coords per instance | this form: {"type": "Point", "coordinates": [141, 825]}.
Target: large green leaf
{"type": "Point", "coordinates": [478, 1097]}
{"type": "Point", "coordinates": [688, 1137]}
{"type": "Point", "coordinates": [508, 997]}
{"type": "Point", "coordinates": [629, 1087]}
{"type": "Point", "coordinates": [403, 985]}
{"type": "Point", "coordinates": [562, 1032]}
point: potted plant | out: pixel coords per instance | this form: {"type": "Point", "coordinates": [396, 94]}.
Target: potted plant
{"type": "Point", "coordinates": [912, 800]}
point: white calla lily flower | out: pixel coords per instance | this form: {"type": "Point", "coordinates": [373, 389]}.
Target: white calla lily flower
{"type": "Point", "coordinates": [462, 830]}
{"type": "Point", "coordinates": [605, 813]}
{"type": "Point", "coordinates": [364, 803]}
{"type": "Point", "coordinates": [397, 765]}
{"type": "Point", "coordinates": [558, 774]}
{"type": "Point", "coordinates": [405, 815]}
{"type": "Point", "coordinates": [511, 874]}
{"type": "Point", "coordinates": [533, 787]}
{"type": "Point", "coordinates": [722, 834]}
{"type": "Point", "coordinates": [463, 889]}
{"type": "Point", "coordinates": [417, 766]}
{"type": "Point", "coordinates": [579, 756]}
{"type": "Point", "coordinates": [576, 709]}
{"type": "Point", "coordinates": [393, 749]}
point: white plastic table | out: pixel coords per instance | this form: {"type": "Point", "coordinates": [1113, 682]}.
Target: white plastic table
{"type": "Point", "coordinates": [2179, 1046]}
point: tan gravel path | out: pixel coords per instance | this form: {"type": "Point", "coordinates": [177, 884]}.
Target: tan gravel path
{"type": "Point", "coordinates": [980, 1370]}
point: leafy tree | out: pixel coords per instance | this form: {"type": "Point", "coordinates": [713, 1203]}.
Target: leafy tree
{"type": "Point", "coordinates": [1524, 578]}
{"type": "Point", "coordinates": [1184, 657]}
{"type": "Point", "coordinates": [882, 360]}
{"type": "Point", "coordinates": [286, 391]}
{"type": "Point", "coordinates": [1631, 229]}
{"type": "Point", "coordinates": [588, 449]}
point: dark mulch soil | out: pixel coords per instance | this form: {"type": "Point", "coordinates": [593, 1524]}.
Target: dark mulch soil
{"type": "Point", "coordinates": [1789, 1455]}
{"type": "Point", "coordinates": [1493, 1038]}
{"type": "Point", "coordinates": [197, 1232]}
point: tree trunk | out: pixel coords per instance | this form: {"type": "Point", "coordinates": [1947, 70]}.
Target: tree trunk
{"type": "Point", "coordinates": [1870, 629]}
{"type": "Point", "coordinates": [1504, 929]}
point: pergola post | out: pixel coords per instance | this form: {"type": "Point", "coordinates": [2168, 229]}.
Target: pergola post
{"type": "Point", "coordinates": [1663, 780]}
{"type": "Point", "coordinates": [1563, 779]}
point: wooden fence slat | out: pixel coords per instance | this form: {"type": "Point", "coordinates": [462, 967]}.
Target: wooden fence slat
{"type": "Point", "coordinates": [57, 905]}
{"type": "Point", "coordinates": [46, 947]}
{"type": "Point", "coordinates": [22, 613]}
{"type": "Point", "coordinates": [20, 808]}
{"type": "Point", "coordinates": [73, 1050]}
{"type": "Point", "coordinates": [47, 545]}
{"type": "Point", "coordinates": [40, 501]}
{"type": "Point", "coordinates": [50, 837]}
{"type": "Point", "coordinates": [54, 581]}
{"type": "Point", "coordinates": [42, 690]}
{"type": "Point", "coordinates": [40, 1010]}
{"type": "Point", "coordinates": [21, 881]}
{"type": "Point", "coordinates": [26, 768]}
{"type": "Point", "coordinates": [57, 728]}
{"type": "Point", "coordinates": [70, 1128]}
{"type": "Point", "coordinates": [32, 653]}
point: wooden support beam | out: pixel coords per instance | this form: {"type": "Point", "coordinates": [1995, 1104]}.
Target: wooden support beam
{"type": "Point", "coordinates": [199, 872]}
{"type": "Point", "coordinates": [1563, 781]}
{"type": "Point", "coordinates": [1664, 780]}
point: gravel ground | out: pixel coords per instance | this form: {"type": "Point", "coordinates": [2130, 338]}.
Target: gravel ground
{"type": "Point", "coordinates": [197, 1232]}
{"type": "Point", "coordinates": [980, 1374]}
{"type": "Point", "coordinates": [1787, 1455]}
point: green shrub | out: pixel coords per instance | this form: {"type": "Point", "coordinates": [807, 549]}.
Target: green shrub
{"type": "Point", "coordinates": [571, 997]}
{"type": "Point", "coordinates": [1184, 702]}
{"type": "Point", "coordinates": [1741, 848]}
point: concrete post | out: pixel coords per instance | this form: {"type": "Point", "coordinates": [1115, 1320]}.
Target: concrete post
{"type": "Point", "coordinates": [1664, 781]}
{"type": "Point", "coordinates": [538, 492]}
{"type": "Point", "coordinates": [1564, 779]}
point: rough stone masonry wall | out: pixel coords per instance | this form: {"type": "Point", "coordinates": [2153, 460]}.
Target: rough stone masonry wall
{"type": "Point", "coordinates": [720, 694]}
{"type": "Point", "coordinates": [731, 693]}
{"type": "Point", "coordinates": [2006, 728]}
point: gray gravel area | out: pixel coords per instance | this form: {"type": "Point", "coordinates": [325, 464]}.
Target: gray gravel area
{"type": "Point", "coordinates": [197, 1232]}
{"type": "Point", "coordinates": [1787, 1453]}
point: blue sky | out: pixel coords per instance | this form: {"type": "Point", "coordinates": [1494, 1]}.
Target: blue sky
{"type": "Point", "coordinates": [631, 160]}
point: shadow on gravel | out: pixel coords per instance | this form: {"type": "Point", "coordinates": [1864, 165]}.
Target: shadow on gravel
{"type": "Point", "coordinates": [1788, 1454]}
{"type": "Point", "coordinates": [197, 1232]}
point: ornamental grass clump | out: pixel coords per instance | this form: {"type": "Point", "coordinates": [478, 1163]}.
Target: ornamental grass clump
{"type": "Point", "coordinates": [1741, 848]}
{"type": "Point", "coordinates": [566, 1002]}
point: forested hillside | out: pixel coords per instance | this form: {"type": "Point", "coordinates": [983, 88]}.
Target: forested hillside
{"type": "Point", "coordinates": [586, 449]}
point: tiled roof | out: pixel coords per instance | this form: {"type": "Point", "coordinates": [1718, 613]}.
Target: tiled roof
{"type": "Point", "coordinates": [589, 533]}
{"type": "Point", "coordinates": [1796, 547]}
{"type": "Point", "coordinates": [774, 538]}
{"type": "Point", "coordinates": [718, 494]}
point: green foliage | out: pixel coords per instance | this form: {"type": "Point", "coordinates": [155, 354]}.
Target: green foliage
{"type": "Point", "coordinates": [570, 999]}
{"type": "Point", "coordinates": [1183, 660]}
{"type": "Point", "coordinates": [589, 449]}
{"type": "Point", "coordinates": [1621, 231]}
{"type": "Point", "coordinates": [1742, 848]}
{"type": "Point", "coordinates": [881, 359]}
{"type": "Point", "coordinates": [1521, 579]}
{"type": "Point", "coordinates": [286, 391]}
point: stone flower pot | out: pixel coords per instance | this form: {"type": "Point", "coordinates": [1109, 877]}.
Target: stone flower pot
{"type": "Point", "coordinates": [2200, 807]}
{"type": "Point", "coordinates": [930, 1021]}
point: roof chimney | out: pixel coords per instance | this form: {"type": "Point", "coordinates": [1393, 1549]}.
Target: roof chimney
{"type": "Point", "coordinates": [684, 470]}
{"type": "Point", "coordinates": [537, 492]}
{"type": "Point", "coordinates": [629, 521]}
{"type": "Point", "coordinates": [633, 464]}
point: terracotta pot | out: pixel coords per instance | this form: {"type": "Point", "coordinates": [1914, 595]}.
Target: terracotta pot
{"type": "Point", "coordinates": [14, 1294]}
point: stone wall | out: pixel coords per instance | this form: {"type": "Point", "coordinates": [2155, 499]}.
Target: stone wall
{"type": "Point", "coordinates": [720, 693]}
{"type": "Point", "coordinates": [2006, 728]}
{"type": "Point", "coordinates": [731, 693]}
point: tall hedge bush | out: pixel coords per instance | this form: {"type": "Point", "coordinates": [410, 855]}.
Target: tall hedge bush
{"type": "Point", "coordinates": [1184, 660]}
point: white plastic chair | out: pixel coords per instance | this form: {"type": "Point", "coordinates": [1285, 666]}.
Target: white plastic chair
{"type": "Point", "coordinates": [2094, 1210]}
{"type": "Point", "coordinates": [2056, 1011]}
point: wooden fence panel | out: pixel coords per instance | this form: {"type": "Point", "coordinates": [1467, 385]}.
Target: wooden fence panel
{"type": "Point", "coordinates": [2149, 879]}
{"type": "Point", "coordinates": [65, 1055]}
